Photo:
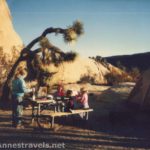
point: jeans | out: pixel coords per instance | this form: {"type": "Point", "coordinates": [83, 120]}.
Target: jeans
{"type": "Point", "coordinates": [17, 110]}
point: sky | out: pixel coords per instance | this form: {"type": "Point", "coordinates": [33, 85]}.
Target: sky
{"type": "Point", "coordinates": [111, 27]}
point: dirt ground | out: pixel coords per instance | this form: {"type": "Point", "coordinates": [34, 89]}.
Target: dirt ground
{"type": "Point", "coordinates": [112, 124]}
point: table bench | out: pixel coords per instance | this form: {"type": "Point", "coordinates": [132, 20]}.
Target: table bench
{"type": "Point", "coordinates": [52, 115]}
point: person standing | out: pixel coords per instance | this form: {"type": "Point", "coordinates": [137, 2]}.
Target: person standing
{"type": "Point", "coordinates": [18, 90]}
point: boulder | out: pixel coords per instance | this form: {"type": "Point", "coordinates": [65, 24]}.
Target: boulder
{"type": "Point", "coordinates": [8, 37]}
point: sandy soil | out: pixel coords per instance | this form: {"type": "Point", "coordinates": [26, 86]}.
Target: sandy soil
{"type": "Point", "coordinates": [112, 125]}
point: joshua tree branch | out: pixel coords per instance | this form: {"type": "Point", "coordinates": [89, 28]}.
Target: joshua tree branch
{"type": "Point", "coordinates": [53, 30]}
{"type": "Point", "coordinates": [25, 53]}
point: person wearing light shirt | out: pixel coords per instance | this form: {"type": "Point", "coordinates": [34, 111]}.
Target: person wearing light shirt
{"type": "Point", "coordinates": [82, 99]}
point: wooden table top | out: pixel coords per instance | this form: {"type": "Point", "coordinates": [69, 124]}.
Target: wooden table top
{"type": "Point", "coordinates": [43, 101]}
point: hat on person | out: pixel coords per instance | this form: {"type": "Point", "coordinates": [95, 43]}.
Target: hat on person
{"type": "Point", "coordinates": [83, 89]}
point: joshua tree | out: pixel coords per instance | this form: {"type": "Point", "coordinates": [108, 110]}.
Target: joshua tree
{"type": "Point", "coordinates": [27, 54]}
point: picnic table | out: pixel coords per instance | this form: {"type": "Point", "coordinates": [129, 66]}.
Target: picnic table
{"type": "Point", "coordinates": [52, 114]}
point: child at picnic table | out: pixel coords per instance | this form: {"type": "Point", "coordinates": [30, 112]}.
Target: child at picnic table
{"type": "Point", "coordinates": [18, 90]}
{"type": "Point", "coordinates": [60, 90]}
{"type": "Point", "coordinates": [70, 102]}
{"type": "Point", "coordinates": [81, 99]}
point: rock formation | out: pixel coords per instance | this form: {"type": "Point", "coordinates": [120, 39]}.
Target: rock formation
{"type": "Point", "coordinates": [8, 37]}
{"type": "Point", "coordinates": [82, 70]}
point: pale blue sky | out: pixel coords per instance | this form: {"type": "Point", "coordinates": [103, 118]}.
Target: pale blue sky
{"type": "Point", "coordinates": [112, 27]}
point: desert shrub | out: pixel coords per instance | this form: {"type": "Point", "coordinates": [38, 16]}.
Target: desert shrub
{"type": "Point", "coordinates": [87, 79]}
{"type": "Point", "coordinates": [111, 78]}
{"type": "Point", "coordinates": [115, 78]}
{"type": "Point", "coordinates": [6, 62]}
{"type": "Point", "coordinates": [134, 73]}
{"type": "Point", "coordinates": [99, 59]}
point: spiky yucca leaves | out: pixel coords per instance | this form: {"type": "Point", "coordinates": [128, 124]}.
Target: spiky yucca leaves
{"type": "Point", "coordinates": [44, 42]}
{"type": "Point", "coordinates": [70, 36]}
{"type": "Point", "coordinates": [66, 57]}
{"type": "Point", "coordinates": [73, 32]}
{"type": "Point", "coordinates": [70, 56]}
{"type": "Point", "coordinates": [56, 56]}
{"type": "Point", "coordinates": [57, 59]}
{"type": "Point", "coordinates": [78, 27]}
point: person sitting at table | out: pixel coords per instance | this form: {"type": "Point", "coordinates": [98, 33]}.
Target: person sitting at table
{"type": "Point", "coordinates": [18, 90]}
{"type": "Point", "coordinates": [81, 99]}
{"type": "Point", "coordinates": [60, 91]}
{"type": "Point", "coordinates": [70, 102]}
